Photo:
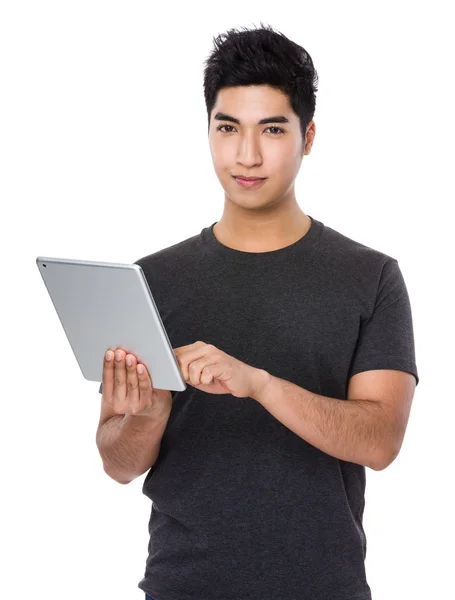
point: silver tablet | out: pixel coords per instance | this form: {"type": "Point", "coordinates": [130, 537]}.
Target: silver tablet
{"type": "Point", "coordinates": [108, 305]}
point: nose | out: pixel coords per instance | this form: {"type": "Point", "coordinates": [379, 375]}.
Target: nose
{"type": "Point", "coordinates": [249, 151]}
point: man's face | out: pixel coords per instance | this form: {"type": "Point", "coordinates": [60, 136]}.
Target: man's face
{"type": "Point", "coordinates": [272, 150]}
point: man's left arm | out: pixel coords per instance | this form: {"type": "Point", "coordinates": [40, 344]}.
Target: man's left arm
{"type": "Point", "coordinates": [367, 428]}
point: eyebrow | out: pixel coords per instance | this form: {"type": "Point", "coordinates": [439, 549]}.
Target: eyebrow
{"type": "Point", "coordinates": [277, 119]}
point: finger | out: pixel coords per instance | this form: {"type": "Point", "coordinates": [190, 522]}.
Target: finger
{"type": "Point", "coordinates": [119, 379]}
{"type": "Point", "coordinates": [206, 376]}
{"type": "Point", "coordinates": [132, 383]}
{"type": "Point", "coordinates": [200, 351]}
{"type": "Point", "coordinates": [144, 385]}
{"type": "Point", "coordinates": [181, 349]}
{"type": "Point", "coordinates": [108, 374]}
{"type": "Point", "coordinates": [196, 367]}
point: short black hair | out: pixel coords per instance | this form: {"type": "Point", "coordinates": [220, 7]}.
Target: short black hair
{"type": "Point", "coordinates": [262, 56]}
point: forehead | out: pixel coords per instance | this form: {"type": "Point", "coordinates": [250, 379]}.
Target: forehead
{"type": "Point", "coordinates": [253, 102]}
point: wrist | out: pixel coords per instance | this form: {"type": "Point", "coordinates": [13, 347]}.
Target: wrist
{"type": "Point", "coordinates": [261, 380]}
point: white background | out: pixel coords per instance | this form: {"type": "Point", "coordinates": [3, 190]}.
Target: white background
{"type": "Point", "coordinates": [104, 156]}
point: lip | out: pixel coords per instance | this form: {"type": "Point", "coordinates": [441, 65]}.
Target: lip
{"type": "Point", "coordinates": [249, 183]}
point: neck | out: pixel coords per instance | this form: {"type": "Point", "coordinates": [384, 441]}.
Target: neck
{"type": "Point", "coordinates": [261, 231]}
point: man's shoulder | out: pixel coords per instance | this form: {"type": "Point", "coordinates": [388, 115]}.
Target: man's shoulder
{"type": "Point", "coordinates": [171, 255]}
{"type": "Point", "coordinates": [344, 251]}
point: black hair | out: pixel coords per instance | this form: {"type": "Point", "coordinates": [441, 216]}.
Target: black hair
{"type": "Point", "coordinates": [262, 56]}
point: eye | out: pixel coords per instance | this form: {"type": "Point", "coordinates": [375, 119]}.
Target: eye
{"type": "Point", "coordinates": [271, 127]}
{"type": "Point", "coordinates": [221, 127]}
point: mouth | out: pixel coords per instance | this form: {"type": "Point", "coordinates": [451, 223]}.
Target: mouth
{"type": "Point", "coordinates": [250, 182]}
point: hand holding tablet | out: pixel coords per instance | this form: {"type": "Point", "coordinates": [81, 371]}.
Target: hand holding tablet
{"type": "Point", "coordinates": [129, 391]}
{"type": "Point", "coordinates": [109, 305]}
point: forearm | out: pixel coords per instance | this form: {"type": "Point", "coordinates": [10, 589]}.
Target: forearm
{"type": "Point", "coordinates": [352, 430]}
{"type": "Point", "coordinates": [129, 445]}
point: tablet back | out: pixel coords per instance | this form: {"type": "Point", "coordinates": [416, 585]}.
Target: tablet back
{"type": "Point", "coordinates": [108, 305]}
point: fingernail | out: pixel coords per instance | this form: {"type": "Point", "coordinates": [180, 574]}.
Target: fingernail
{"type": "Point", "coordinates": [109, 355]}
{"type": "Point", "coordinates": [129, 362]}
{"type": "Point", "coordinates": [118, 355]}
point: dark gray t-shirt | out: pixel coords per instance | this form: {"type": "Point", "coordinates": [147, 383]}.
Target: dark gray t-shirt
{"type": "Point", "coordinates": [243, 508]}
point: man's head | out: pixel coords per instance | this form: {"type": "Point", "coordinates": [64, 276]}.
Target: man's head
{"type": "Point", "coordinates": [250, 76]}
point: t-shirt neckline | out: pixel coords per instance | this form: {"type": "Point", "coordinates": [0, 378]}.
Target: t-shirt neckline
{"type": "Point", "coordinates": [305, 243]}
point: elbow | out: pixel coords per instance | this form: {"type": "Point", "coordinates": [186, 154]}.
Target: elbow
{"type": "Point", "coordinates": [116, 477]}
{"type": "Point", "coordinates": [384, 459]}
{"type": "Point", "coordinates": [110, 470]}
{"type": "Point", "coordinates": [123, 481]}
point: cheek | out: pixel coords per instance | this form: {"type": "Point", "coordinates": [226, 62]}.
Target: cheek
{"type": "Point", "coordinates": [220, 153]}
{"type": "Point", "coordinates": [223, 162]}
{"type": "Point", "coordinates": [287, 159]}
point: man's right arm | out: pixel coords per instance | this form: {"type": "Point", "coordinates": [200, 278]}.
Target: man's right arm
{"type": "Point", "coordinates": [129, 444]}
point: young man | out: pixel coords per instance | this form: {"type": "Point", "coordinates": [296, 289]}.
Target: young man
{"type": "Point", "coordinates": [297, 345]}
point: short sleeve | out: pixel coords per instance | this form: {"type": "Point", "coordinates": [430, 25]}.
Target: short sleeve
{"type": "Point", "coordinates": [386, 338]}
